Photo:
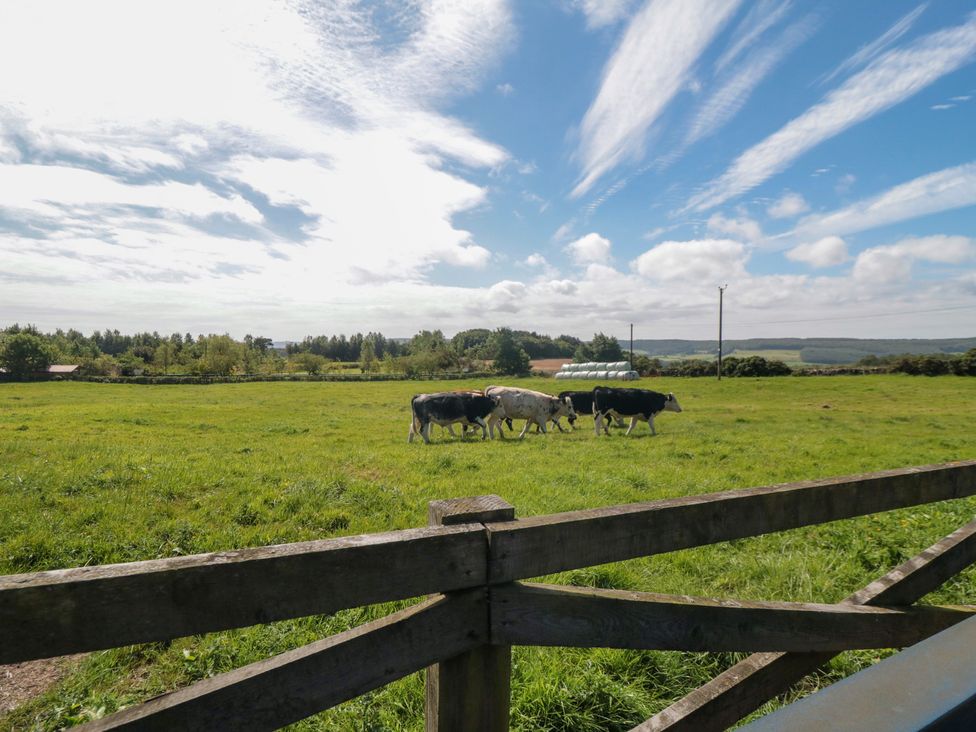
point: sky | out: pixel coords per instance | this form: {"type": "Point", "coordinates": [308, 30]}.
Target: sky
{"type": "Point", "coordinates": [284, 168]}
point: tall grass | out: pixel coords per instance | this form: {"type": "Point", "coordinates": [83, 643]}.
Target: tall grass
{"type": "Point", "coordinates": [93, 473]}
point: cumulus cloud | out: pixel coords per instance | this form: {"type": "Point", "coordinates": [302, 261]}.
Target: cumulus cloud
{"type": "Point", "coordinates": [892, 78]}
{"type": "Point", "coordinates": [651, 64]}
{"type": "Point", "coordinates": [893, 262]}
{"type": "Point", "coordinates": [826, 252]}
{"type": "Point", "coordinates": [788, 207]}
{"type": "Point", "coordinates": [591, 248]}
{"type": "Point", "coordinates": [702, 260]}
{"type": "Point", "coordinates": [741, 228]}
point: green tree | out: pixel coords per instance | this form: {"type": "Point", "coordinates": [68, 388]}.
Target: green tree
{"type": "Point", "coordinates": [24, 353]}
{"type": "Point", "coordinates": [367, 356]}
{"type": "Point", "coordinates": [509, 357]}
{"type": "Point", "coordinates": [309, 362]}
{"type": "Point", "coordinates": [221, 355]}
{"type": "Point", "coordinates": [605, 348]}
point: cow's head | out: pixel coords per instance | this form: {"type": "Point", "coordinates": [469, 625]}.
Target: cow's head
{"type": "Point", "coordinates": [571, 413]}
{"type": "Point", "coordinates": [671, 404]}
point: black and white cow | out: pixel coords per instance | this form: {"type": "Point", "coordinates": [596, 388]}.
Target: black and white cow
{"type": "Point", "coordinates": [638, 404]}
{"type": "Point", "coordinates": [583, 404]}
{"type": "Point", "coordinates": [532, 406]}
{"type": "Point", "coordinates": [447, 408]}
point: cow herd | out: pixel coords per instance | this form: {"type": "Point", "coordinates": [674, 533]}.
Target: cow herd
{"type": "Point", "coordinates": [498, 405]}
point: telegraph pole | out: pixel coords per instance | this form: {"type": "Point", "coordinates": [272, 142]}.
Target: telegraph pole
{"type": "Point", "coordinates": [631, 346]}
{"type": "Point", "coordinates": [721, 292]}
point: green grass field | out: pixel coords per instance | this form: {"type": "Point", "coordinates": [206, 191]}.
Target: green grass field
{"type": "Point", "coordinates": [93, 473]}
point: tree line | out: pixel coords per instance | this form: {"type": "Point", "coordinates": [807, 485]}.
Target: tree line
{"type": "Point", "coordinates": [26, 352]}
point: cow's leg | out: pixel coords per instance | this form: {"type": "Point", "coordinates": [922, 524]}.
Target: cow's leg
{"type": "Point", "coordinates": [633, 423]}
{"type": "Point", "coordinates": [556, 422]}
{"type": "Point", "coordinates": [412, 432]}
{"type": "Point", "coordinates": [542, 425]}
{"type": "Point", "coordinates": [450, 429]}
{"type": "Point", "coordinates": [425, 432]}
{"type": "Point", "coordinates": [493, 423]}
{"type": "Point", "coordinates": [597, 423]}
{"type": "Point", "coordinates": [484, 427]}
{"type": "Point", "coordinates": [650, 423]}
{"type": "Point", "coordinates": [525, 429]}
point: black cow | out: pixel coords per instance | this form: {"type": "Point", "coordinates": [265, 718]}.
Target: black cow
{"type": "Point", "coordinates": [638, 404]}
{"type": "Point", "coordinates": [583, 404]}
{"type": "Point", "coordinates": [447, 408]}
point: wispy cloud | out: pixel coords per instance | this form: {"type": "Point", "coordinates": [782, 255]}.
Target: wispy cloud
{"type": "Point", "coordinates": [892, 78]}
{"type": "Point", "coordinates": [940, 191]}
{"type": "Point", "coordinates": [649, 66]}
{"type": "Point", "coordinates": [735, 90]}
{"type": "Point", "coordinates": [601, 13]}
{"type": "Point", "coordinates": [763, 16]}
{"type": "Point", "coordinates": [868, 52]}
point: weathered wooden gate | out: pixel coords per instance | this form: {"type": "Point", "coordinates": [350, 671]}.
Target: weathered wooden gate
{"type": "Point", "coordinates": [470, 561]}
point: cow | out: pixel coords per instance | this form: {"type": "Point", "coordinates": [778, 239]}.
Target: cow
{"type": "Point", "coordinates": [532, 406]}
{"type": "Point", "coordinates": [638, 404]}
{"type": "Point", "coordinates": [583, 404]}
{"type": "Point", "coordinates": [447, 408]}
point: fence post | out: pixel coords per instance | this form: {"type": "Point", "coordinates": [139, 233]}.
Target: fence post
{"type": "Point", "coordinates": [470, 691]}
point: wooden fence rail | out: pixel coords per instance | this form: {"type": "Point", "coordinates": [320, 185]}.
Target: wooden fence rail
{"type": "Point", "coordinates": [469, 561]}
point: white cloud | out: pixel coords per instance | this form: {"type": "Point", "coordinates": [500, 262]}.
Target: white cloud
{"type": "Point", "coordinates": [506, 89]}
{"type": "Point", "coordinates": [699, 260]}
{"type": "Point", "coordinates": [590, 248]}
{"type": "Point", "coordinates": [736, 88]}
{"type": "Point", "coordinates": [788, 206]}
{"type": "Point", "coordinates": [741, 228]}
{"type": "Point", "coordinates": [940, 191]}
{"type": "Point", "coordinates": [826, 252]}
{"type": "Point", "coordinates": [536, 260]}
{"type": "Point", "coordinates": [868, 52]}
{"type": "Point", "coordinates": [940, 107]}
{"type": "Point", "coordinates": [308, 106]}
{"type": "Point", "coordinates": [761, 17]}
{"type": "Point", "coordinates": [892, 78]}
{"type": "Point", "coordinates": [651, 65]}
{"type": "Point", "coordinates": [601, 13]}
{"type": "Point", "coordinates": [47, 190]}
{"type": "Point", "coordinates": [885, 264]}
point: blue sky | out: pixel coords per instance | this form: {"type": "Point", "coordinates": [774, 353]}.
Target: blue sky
{"type": "Point", "coordinates": [568, 166]}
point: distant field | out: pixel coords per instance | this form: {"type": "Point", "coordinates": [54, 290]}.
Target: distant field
{"type": "Point", "coordinates": [93, 473]}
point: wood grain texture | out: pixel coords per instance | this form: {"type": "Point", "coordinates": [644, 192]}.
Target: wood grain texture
{"type": "Point", "coordinates": [471, 691]}
{"type": "Point", "coordinates": [746, 686]}
{"type": "Point", "coordinates": [66, 611]}
{"type": "Point", "coordinates": [270, 694]}
{"type": "Point", "coordinates": [473, 509]}
{"type": "Point", "coordinates": [535, 546]}
{"type": "Point", "coordinates": [548, 615]}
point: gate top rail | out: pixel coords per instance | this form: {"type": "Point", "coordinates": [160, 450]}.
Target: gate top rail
{"type": "Point", "coordinates": [539, 545]}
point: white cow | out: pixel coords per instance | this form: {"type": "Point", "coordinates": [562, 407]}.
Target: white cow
{"type": "Point", "coordinates": [532, 406]}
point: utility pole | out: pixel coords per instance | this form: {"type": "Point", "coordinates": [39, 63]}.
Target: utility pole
{"type": "Point", "coordinates": [632, 346]}
{"type": "Point", "coordinates": [721, 292]}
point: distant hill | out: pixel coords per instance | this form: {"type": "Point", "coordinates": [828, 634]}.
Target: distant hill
{"type": "Point", "coordinates": [811, 350]}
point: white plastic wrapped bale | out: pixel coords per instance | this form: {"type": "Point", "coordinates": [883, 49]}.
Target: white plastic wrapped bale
{"type": "Point", "coordinates": [631, 375]}
{"type": "Point", "coordinates": [602, 374]}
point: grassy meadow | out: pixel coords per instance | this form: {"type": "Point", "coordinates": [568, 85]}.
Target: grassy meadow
{"type": "Point", "coordinates": [97, 473]}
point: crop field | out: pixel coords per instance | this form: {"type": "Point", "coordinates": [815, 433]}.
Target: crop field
{"type": "Point", "coordinates": [98, 473]}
